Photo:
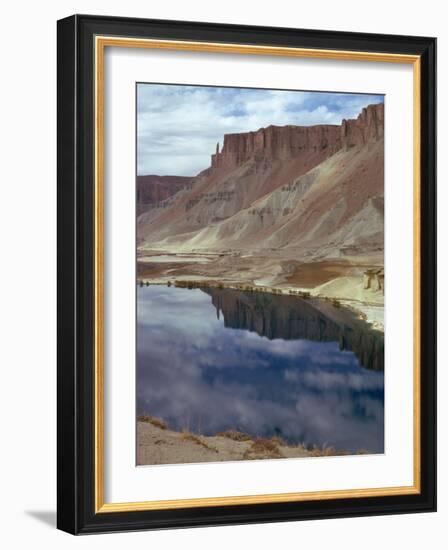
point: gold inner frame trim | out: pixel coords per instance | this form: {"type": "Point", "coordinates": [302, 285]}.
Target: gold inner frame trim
{"type": "Point", "coordinates": [101, 42]}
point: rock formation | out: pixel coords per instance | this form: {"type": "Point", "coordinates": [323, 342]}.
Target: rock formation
{"type": "Point", "coordinates": [310, 192]}
{"type": "Point", "coordinates": [374, 279]}
{"type": "Point", "coordinates": [368, 127]}
{"type": "Point", "coordinates": [277, 143]}
{"type": "Point", "coordinates": [155, 189]}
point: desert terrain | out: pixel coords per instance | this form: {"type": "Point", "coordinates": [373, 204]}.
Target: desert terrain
{"type": "Point", "coordinates": [157, 444]}
{"type": "Point", "coordinates": [290, 209]}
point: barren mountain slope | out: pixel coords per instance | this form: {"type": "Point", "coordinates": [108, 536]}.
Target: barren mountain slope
{"type": "Point", "coordinates": [242, 175]}
{"type": "Point", "coordinates": [313, 192]}
{"type": "Point", "coordinates": [153, 189]}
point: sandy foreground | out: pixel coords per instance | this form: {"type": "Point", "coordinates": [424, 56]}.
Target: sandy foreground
{"type": "Point", "coordinates": [160, 445]}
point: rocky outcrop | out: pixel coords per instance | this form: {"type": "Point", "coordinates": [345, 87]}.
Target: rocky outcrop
{"type": "Point", "coordinates": [374, 279]}
{"type": "Point", "coordinates": [287, 142]}
{"type": "Point", "coordinates": [312, 192]}
{"type": "Point", "coordinates": [153, 189]}
{"type": "Point", "coordinates": [368, 127]}
{"type": "Point", "coordinates": [276, 143]}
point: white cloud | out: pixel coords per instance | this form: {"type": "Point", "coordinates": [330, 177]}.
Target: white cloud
{"type": "Point", "coordinates": [179, 126]}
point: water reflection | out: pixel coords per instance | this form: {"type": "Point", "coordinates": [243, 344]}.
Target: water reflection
{"type": "Point", "coordinates": [209, 360]}
{"type": "Point", "coordinates": [291, 318]}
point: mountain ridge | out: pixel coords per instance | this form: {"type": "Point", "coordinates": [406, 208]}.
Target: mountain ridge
{"type": "Point", "coordinates": [153, 189]}
{"type": "Point", "coordinates": [288, 187]}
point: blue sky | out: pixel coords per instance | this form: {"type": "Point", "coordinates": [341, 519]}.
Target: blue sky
{"type": "Point", "coordinates": [178, 126]}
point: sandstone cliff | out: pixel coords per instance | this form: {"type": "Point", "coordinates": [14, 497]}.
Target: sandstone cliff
{"type": "Point", "coordinates": [152, 190]}
{"type": "Point", "coordinates": [368, 127]}
{"type": "Point", "coordinates": [277, 143]}
{"type": "Point", "coordinates": [312, 192]}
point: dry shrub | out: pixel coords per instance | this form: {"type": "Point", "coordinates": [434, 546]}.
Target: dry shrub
{"type": "Point", "coordinates": [277, 439]}
{"type": "Point", "coordinates": [263, 448]}
{"type": "Point", "coordinates": [326, 451]}
{"type": "Point", "coordinates": [154, 420]}
{"type": "Point", "coordinates": [235, 435]}
{"type": "Point", "coordinates": [188, 436]}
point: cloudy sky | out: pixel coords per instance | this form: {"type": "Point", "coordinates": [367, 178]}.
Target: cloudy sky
{"type": "Point", "coordinates": [178, 126]}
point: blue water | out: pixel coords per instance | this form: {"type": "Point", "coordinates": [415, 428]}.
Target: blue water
{"type": "Point", "coordinates": [210, 360]}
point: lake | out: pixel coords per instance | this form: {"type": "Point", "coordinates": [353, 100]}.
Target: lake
{"type": "Point", "coordinates": [214, 359]}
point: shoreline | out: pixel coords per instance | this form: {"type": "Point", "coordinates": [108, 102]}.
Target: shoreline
{"type": "Point", "coordinates": [372, 312]}
{"type": "Point", "coordinates": [157, 443]}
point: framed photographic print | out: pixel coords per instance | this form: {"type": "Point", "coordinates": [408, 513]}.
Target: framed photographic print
{"type": "Point", "coordinates": [246, 274]}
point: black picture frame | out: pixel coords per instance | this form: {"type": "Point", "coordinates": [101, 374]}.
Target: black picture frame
{"type": "Point", "coordinates": [76, 286]}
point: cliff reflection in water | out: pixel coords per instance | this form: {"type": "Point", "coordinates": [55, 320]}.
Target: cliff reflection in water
{"type": "Point", "coordinates": [292, 318]}
{"type": "Point", "coordinates": [269, 365]}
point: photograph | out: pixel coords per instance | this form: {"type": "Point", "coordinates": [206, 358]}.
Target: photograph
{"type": "Point", "coordinates": [259, 273]}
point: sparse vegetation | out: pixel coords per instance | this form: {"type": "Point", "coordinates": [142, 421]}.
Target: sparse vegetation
{"type": "Point", "coordinates": [235, 435]}
{"type": "Point", "coordinates": [278, 440]}
{"type": "Point", "coordinates": [154, 420]}
{"type": "Point", "coordinates": [245, 447]}
{"type": "Point", "coordinates": [263, 448]}
{"type": "Point", "coordinates": [244, 287]}
{"type": "Point", "coordinates": [326, 451]}
{"type": "Point", "coordinates": [188, 436]}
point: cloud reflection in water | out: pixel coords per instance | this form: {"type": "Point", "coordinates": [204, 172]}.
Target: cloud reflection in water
{"type": "Point", "coordinates": [198, 373]}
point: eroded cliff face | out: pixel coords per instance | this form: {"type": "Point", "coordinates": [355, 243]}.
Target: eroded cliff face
{"type": "Point", "coordinates": [315, 191]}
{"type": "Point", "coordinates": [277, 143]}
{"type": "Point", "coordinates": [152, 189]}
{"type": "Point", "coordinates": [288, 142]}
{"type": "Point", "coordinates": [368, 127]}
